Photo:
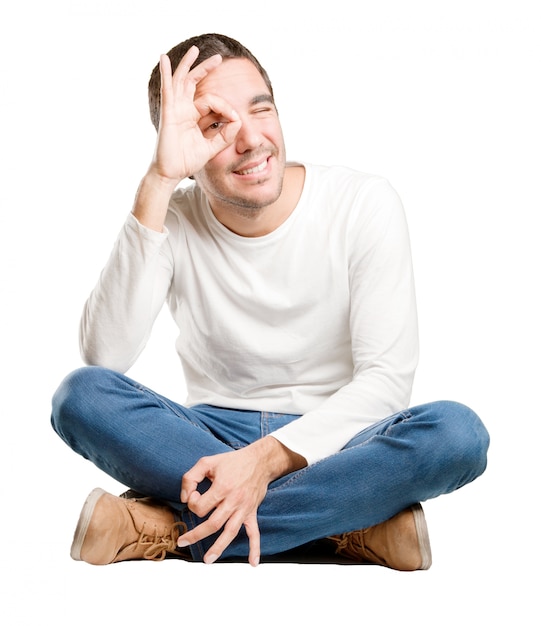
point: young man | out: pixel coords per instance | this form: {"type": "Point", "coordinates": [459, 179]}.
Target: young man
{"type": "Point", "coordinates": [291, 285]}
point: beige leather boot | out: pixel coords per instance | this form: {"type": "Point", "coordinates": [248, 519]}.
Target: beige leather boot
{"type": "Point", "coordinates": [112, 529]}
{"type": "Point", "coordinates": [400, 543]}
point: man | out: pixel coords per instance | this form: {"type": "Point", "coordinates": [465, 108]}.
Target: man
{"type": "Point", "coordinates": [291, 285]}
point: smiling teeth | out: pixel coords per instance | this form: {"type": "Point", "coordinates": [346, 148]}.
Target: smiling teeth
{"type": "Point", "coordinates": [253, 170]}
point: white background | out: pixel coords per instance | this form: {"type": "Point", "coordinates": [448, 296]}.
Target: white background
{"type": "Point", "coordinates": [443, 99]}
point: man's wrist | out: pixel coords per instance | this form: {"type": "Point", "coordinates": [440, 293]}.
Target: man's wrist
{"type": "Point", "coordinates": [278, 458]}
{"type": "Point", "coordinates": [161, 182]}
{"type": "Point", "coordinates": [152, 200]}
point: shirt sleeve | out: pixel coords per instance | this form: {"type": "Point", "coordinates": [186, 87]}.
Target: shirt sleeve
{"type": "Point", "coordinates": [119, 314]}
{"type": "Point", "coordinates": [383, 326]}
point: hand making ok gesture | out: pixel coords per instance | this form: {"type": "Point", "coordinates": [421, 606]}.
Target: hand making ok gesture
{"type": "Point", "coordinates": [181, 148]}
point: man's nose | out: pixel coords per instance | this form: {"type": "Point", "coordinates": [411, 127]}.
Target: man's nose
{"type": "Point", "coordinates": [249, 136]}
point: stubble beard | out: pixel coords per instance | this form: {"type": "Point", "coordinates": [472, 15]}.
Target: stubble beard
{"type": "Point", "coordinates": [248, 208]}
{"type": "Point", "coordinates": [245, 206]}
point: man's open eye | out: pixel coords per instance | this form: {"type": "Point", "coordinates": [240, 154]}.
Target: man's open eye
{"type": "Point", "coordinates": [212, 128]}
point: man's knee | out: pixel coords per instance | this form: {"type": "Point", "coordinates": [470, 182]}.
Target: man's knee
{"type": "Point", "coordinates": [75, 396]}
{"type": "Point", "coordinates": [465, 438]}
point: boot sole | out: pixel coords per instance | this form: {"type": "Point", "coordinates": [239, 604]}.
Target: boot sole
{"type": "Point", "coordinates": [422, 535]}
{"type": "Point", "coordinates": [83, 523]}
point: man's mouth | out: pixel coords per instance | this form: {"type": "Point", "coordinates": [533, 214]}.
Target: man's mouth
{"type": "Point", "coordinates": [253, 170]}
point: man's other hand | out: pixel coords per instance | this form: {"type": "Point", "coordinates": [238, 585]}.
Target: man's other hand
{"type": "Point", "coordinates": [239, 483]}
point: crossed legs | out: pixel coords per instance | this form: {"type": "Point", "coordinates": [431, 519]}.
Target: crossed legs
{"type": "Point", "coordinates": [147, 442]}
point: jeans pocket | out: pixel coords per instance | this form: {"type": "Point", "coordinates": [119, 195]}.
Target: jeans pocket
{"type": "Point", "coordinates": [271, 422]}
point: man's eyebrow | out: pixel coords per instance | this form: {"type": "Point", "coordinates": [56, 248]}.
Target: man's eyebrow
{"type": "Point", "coordinates": [264, 97]}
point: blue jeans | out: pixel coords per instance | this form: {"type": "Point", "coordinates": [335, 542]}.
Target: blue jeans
{"type": "Point", "coordinates": [148, 442]}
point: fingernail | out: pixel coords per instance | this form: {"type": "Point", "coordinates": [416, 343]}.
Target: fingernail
{"type": "Point", "coordinates": [182, 543]}
{"type": "Point", "coordinates": [211, 558]}
{"type": "Point", "coordinates": [183, 496]}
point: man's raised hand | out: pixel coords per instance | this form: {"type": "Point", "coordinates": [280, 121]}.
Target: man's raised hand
{"type": "Point", "coordinates": [182, 148]}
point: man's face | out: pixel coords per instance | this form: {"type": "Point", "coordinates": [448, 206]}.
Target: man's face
{"type": "Point", "coordinates": [248, 174]}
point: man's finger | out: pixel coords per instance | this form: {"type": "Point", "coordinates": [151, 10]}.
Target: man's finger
{"type": "Point", "coordinates": [205, 67]}
{"type": "Point", "coordinates": [226, 136]}
{"type": "Point", "coordinates": [214, 105]}
{"type": "Point", "coordinates": [254, 538]}
{"type": "Point", "coordinates": [184, 75]}
{"type": "Point", "coordinates": [193, 477]}
{"type": "Point", "coordinates": [230, 531]}
{"type": "Point", "coordinates": [203, 504]}
{"type": "Point", "coordinates": [211, 526]}
{"type": "Point", "coordinates": [165, 71]}
{"type": "Point", "coordinates": [185, 64]}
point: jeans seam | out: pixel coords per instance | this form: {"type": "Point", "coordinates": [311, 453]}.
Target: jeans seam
{"type": "Point", "coordinates": [404, 417]}
{"type": "Point", "coordinates": [165, 403]}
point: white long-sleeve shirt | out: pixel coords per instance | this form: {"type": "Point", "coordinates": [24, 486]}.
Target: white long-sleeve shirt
{"type": "Point", "coordinates": [317, 318]}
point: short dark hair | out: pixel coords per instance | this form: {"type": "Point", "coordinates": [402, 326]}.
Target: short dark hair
{"type": "Point", "coordinates": [209, 45]}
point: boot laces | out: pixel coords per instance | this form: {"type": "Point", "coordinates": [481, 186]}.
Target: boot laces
{"type": "Point", "coordinates": [157, 546]}
{"type": "Point", "coordinates": [351, 544]}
